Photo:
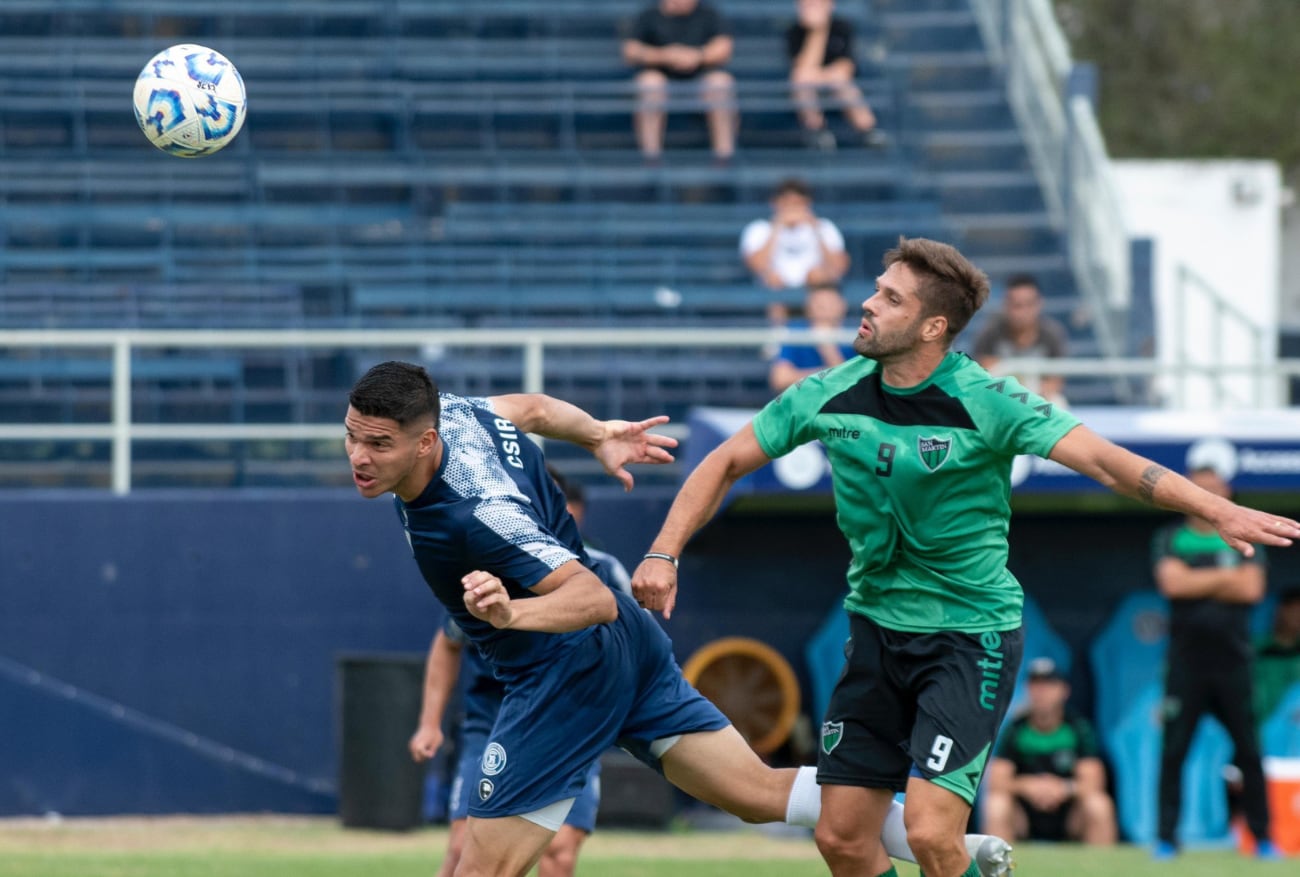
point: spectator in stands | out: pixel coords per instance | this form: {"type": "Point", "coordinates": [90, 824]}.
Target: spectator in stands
{"type": "Point", "coordinates": [795, 247]}
{"type": "Point", "coordinates": [1021, 330]}
{"type": "Point", "coordinates": [1210, 589]}
{"type": "Point", "coordinates": [677, 41]}
{"type": "Point", "coordinates": [1277, 656]}
{"type": "Point", "coordinates": [820, 46]}
{"type": "Point", "coordinates": [1047, 780]}
{"type": "Point", "coordinates": [824, 312]}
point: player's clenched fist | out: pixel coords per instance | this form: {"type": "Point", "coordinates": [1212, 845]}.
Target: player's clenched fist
{"type": "Point", "coordinates": [654, 584]}
{"type": "Point", "coordinates": [486, 598]}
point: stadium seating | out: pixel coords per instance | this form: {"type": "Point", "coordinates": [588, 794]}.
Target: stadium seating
{"type": "Point", "coordinates": [432, 163]}
{"type": "Point", "coordinates": [1128, 655]}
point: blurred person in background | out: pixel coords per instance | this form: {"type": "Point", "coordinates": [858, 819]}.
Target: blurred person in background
{"type": "Point", "coordinates": [793, 248]}
{"type": "Point", "coordinates": [677, 41]}
{"type": "Point", "coordinates": [1211, 589]}
{"type": "Point", "coordinates": [824, 314]}
{"type": "Point", "coordinates": [1021, 330]}
{"type": "Point", "coordinates": [820, 47]}
{"type": "Point", "coordinates": [1047, 780]}
{"type": "Point", "coordinates": [1277, 655]}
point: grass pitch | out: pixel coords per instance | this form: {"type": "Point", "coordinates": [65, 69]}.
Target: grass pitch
{"type": "Point", "coordinates": [275, 846]}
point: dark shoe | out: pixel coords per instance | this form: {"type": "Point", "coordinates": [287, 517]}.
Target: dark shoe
{"type": "Point", "coordinates": [875, 138]}
{"type": "Point", "coordinates": [823, 140]}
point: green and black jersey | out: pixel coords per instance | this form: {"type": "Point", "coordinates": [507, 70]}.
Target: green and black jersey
{"type": "Point", "coordinates": [1055, 752]}
{"type": "Point", "coordinates": [1205, 629]}
{"type": "Point", "coordinates": [922, 480]}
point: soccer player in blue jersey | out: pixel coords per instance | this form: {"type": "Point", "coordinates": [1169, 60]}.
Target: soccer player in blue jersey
{"type": "Point", "coordinates": [449, 661]}
{"type": "Point", "coordinates": [583, 666]}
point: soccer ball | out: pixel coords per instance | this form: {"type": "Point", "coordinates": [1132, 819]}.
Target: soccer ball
{"type": "Point", "coordinates": [189, 101]}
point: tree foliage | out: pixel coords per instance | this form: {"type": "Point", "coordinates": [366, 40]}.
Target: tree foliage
{"type": "Point", "coordinates": [1193, 78]}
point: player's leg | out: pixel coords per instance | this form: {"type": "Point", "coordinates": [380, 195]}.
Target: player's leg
{"type": "Point", "coordinates": [506, 846]}
{"type": "Point", "coordinates": [964, 684]}
{"type": "Point", "coordinates": [719, 768]}
{"type": "Point", "coordinates": [1090, 819]}
{"type": "Point", "coordinates": [1232, 703]}
{"type": "Point", "coordinates": [718, 90]}
{"type": "Point", "coordinates": [455, 846]}
{"type": "Point", "coordinates": [560, 858]}
{"type": "Point", "coordinates": [1183, 704]}
{"type": "Point", "coordinates": [848, 832]}
{"type": "Point", "coordinates": [652, 97]}
{"type": "Point", "coordinates": [1002, 814]}
{"type": "Point", "coordinates": [472, 744]}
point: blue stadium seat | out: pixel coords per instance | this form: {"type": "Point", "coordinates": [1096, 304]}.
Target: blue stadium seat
{"type": "Point", "coordinates": [1279, 733]}
{"type": "Point", "coordinates": [1128, 655]}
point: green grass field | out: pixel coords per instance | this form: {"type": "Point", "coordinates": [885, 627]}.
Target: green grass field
{"type": "Point", "coordinates": [291, 847]}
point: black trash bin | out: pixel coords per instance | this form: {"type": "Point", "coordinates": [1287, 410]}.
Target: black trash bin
{"type": "Point", "coordinates": [379, 706]}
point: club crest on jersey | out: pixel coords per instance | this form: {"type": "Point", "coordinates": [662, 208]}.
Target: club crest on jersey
{"type": "Point", "coordinates": [832, 734]}
{"type": "Point", "coordinates": [485, 789]}
{"type": "Point", "coordinates": [933, 450]}
{"type": "Point", "coordinates": [494, 759]}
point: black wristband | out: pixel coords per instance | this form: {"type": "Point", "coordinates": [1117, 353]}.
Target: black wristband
{"type": "Point", "coordinates": [659, 555]}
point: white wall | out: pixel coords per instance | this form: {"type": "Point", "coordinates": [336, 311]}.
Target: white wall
{"type": "Point", "coordinates": [1221, 220]}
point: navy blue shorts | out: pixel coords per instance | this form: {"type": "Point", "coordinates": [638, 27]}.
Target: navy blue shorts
{"type": "Point", "coordinates": [582, 816]}
{"type": "Point", "coordinates": [620, 686]}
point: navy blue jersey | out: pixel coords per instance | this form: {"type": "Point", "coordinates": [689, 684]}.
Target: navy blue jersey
{"type": "Point", "coordinates": [491, 506]}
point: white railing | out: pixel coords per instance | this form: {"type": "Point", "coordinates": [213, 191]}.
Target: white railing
{"type": "Point", "coordinates": [121, 432]}
{"type": "Point", "coordinates": [1067, 151]}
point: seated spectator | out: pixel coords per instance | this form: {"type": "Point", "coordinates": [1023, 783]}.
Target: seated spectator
{"type": "Point", "coordinates": [795, 248]}
{"type": "Point", "coordinates": [1046, 780]}
{"type": "Point", "coordinates": [1021, 330]}
{"type": "Point", "coordinates": [824, 311]}
{"type": "Point", "coordinates": [680, 41]}
{"type": "Point", "coordinates": [1277, 656]}
{"type": "Point", "coordinates": [820, 46]}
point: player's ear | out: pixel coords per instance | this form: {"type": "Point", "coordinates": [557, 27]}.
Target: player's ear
{"type": "Point", "coordinates": [427, 442]}
{"type": "Point", "coordinates": [934, 328]}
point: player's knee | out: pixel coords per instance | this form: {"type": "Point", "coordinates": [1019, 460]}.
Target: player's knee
{"type": "Point", "coordinates": [558, 861]}
{"type": "Point", "coordinates": [927, 839]}
{"type": "Point", "coordinates": [1097, 806]}
{"type": "Point", "coordinates": [842, 841]}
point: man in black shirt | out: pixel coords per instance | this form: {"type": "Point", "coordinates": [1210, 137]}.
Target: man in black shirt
{"type": "Point", "coordinates": [1047, 780]}
{"type": "Point", "coordinates": [1211, 590]}
{"type": "Point", "coordinates": [820, 47]}
{"type": "Point", "coordinates": [677, 41]}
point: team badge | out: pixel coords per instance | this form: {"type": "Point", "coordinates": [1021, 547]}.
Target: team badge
{"type": "Point", "coordinates": [933, 450]}
{"type": "Point", "coordinates": [832, 734]}
{"type": "Point", "coordinates": [485, 788]}
{"type": "Point", "coordinates": [494, 759]}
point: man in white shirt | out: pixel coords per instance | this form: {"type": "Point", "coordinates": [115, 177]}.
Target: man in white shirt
{"type": "Point", "coordinates": [795, 248]}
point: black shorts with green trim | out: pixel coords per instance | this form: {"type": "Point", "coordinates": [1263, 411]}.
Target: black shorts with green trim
{"type": "Point", "coordinates": [917, 704]}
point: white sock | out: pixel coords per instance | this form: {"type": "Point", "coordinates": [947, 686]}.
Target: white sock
{"type": "Point", "coordinates": [805, 804]}
{"type": "Point", "coordinates": [894, 835]}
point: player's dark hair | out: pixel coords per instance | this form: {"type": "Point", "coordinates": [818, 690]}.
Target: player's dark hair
{"type": "Point", "coordinates": [572, 490]}
{"type": "Point", "coordinates": [950, 286]}
{"type": "Point", "coordinates": [792, 186]}
{"type": "Point", "coordinates": [1018, 280]}
{"type": "Point", "coordinates": [398, 391]}
{"type": "Point", "coordinates": [1290, 594]}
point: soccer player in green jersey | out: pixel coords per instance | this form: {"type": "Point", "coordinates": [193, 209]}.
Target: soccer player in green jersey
{"type": "Point", "coordinates": [920, 441]}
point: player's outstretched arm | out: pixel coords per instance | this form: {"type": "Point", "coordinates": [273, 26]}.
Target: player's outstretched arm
{"type": "Point", "coordinates": [654, 584]}
{"type": "Point", "coordinates": [615, 443]}
{"type": "Point", "coordinates": [1126, 473]}
{"type": "Point", "coordinates": [440, 672]}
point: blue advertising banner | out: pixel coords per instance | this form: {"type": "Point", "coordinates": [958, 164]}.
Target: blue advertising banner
{"type": "Point", "coordinates": [1255, 450]}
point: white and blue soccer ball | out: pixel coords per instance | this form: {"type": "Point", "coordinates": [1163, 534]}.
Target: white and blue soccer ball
{"type": "Point", "coordinates": [190, 101]}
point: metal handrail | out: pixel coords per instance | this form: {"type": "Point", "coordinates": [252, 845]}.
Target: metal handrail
{"type": "Point", "coordinates": [121, 432]}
